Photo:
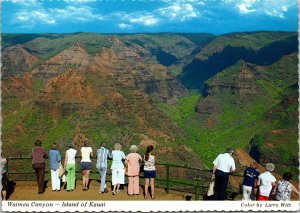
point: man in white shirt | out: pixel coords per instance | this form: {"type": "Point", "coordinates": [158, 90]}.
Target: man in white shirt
{"type": "Point", "coordinates": [266, 182]}
{"type": "Point", "coordinates": [223, 165]}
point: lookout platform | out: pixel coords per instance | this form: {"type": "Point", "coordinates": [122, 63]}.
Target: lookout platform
{"type": "Point", "coordinates": [27, 190]}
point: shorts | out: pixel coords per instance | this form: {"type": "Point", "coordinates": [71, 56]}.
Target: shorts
{"type": "Point", "coordinates": [86, 165]}
{"type": "Point", "coordinates": [4, 181]}
{"type": "Point", "coordinates": [261, 197]}
{"type": "Point", "coordinates": [150, 174]}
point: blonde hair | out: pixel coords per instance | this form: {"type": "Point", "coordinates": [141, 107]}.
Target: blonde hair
{"type": "Point", "coordinates": [133, 148]}
{"type": "Point", "coordinates": [118, 146]}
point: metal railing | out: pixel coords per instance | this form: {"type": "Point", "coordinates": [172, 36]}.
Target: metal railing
{"type": "Point", "coordinates": [197, 183]}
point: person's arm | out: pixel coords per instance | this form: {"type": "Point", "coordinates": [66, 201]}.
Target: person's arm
{"type": "Point", "coordinates": [66, 159]}
{"type": "Point", "coordinates": [92, 154]}
{"type": "Point", "coordinates": [232, 168]}
{"type": "Point", "coordinates": [294, 189]}
{"type": "Point", "coordinates": [214, 172]}
{"type": "Point", "coordinates": [255, 185]}
{"type": "Point", "coordinates": [258, 182]}
{"type": "Point", "coordinates": [109, 156]}
{"type": "Point", "coordinates": [215, 163]}
{"type": "Point", "coordinates": [58, 157]}
{"type": "Point", "coordinates": [274, 188]}
{"type": "Point", "coordinates": [45, 154]}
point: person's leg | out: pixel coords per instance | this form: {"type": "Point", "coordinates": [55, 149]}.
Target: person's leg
{"type": "Point", "coordinates": [53, 185]}
{"type": "Point", "coordinates": [121, 178]}
{"type": "Point", "coordinates": [118, 188]}
{"type": "Point", "coordinates": [217, 187]}
{"type": "Point", "coordinates": [114, 180]}
{"type": "Point", "coordinates": [41, 175]}
{"type": "Point", "coordinates": [225, 180]}
{"type": "Point", "coordinates": [83, 179]}
{"type": "Point", "coordinates": [3, 194]}
{"type": "Point", "coordinates": [68, 177]}
{"type": "Point", "coordinates": [146, 187]}
{"type": "Point", "coordinates": [136, 185]}
{"type": "Point", "coordinates": [246, 192]}
{"type": "Point", "coordinates": [4, 186]}
{"type": "Point", "coordinates": [103, 178]}
{"type": "Point", "coordinates": [36, 171]}
{"type": "Point", "coordinates": [57, 181]}
{"type": "Point", "coordinates": [130, 189]}
{"type": "Point", "coordinates": [34, 166]}
{"type": "Point", "coordinates": [87, 178]}
{"type": "Point", "coordinates": [72, 177]}
{"type": "Point", "coordinates": [152, 187]}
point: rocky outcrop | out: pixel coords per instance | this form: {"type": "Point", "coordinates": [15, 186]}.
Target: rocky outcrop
{"type": "Point", "coordinates": [16, 61]}
{"type": "Point", "coordinates": [20, 87]}
{"type": "Point", "coordinates": [240, 83]}
{"type": "Point", "coordinates": [74, 57]}
{"type": "Point", "coordinates": [135, 67]}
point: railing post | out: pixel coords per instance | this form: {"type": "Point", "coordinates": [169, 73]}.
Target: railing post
{"type": "Point", "coordinates": [197, 188]}
{"type": "Point", "coordinates": [168, 177]}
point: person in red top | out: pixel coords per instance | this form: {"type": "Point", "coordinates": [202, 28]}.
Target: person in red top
{"type": "Point", "coordinates": [133, 165]}
{"type": "Point", "coordinates": [38, 155]}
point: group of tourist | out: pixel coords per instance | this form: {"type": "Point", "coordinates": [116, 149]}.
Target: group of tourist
{"type": "Point", "coordinates": [255, 186]}
{"type": "Point", "coordinates": [132, 161]}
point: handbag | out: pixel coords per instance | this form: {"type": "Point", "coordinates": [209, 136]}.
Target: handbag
{"type": "Point", "coordinates": [61, 170]}
{"type": "Point", "coordinates": [210, 190]}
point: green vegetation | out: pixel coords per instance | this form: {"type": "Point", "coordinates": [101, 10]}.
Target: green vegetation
{"type": "Point", "coordinates": [239, 118]}
{"type": "Point", "coordinates": [174, 44]}
{"type": "Point", "coordinates": [237, 106]}
{"type": "Point", "coordinates": [254, 41]}
{"type": "Point", "coordinates": [46, 47]}
{"type": "Point", "coordinates": [63, 130]}
{"type": "Point", "coordinates": [184, 108]}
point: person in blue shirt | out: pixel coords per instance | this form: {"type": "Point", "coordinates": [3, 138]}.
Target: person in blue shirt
{"type": "Point", "coordinates": [55, 158]}
{"type": "Point", "coordinates": [250, 177]}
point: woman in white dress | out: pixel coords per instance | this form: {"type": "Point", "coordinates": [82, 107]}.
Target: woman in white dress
{"type": "Point", "coordinates": [117, 167]}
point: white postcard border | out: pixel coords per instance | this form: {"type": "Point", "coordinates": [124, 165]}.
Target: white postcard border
{"type": "Point", "coordinates": [147, 206]}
